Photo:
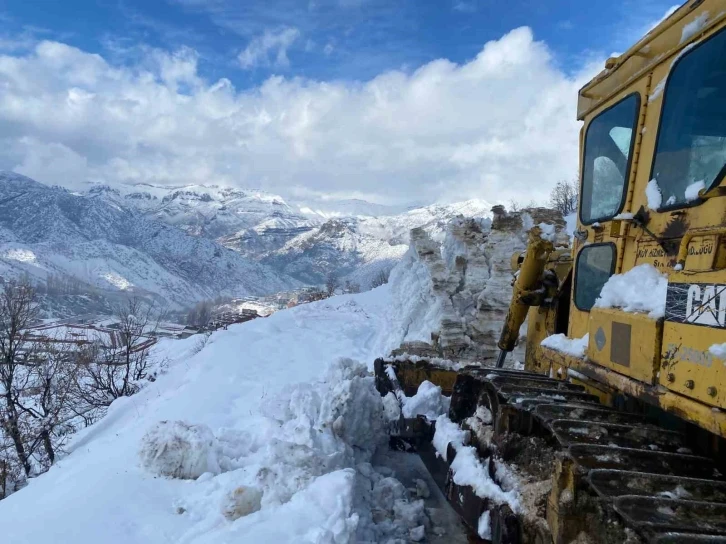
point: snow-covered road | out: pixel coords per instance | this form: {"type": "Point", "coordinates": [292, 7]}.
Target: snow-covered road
{"type": "Point", "coordinates": [100, 492]}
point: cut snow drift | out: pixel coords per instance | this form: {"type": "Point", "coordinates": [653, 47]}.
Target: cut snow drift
{"type": "Point", "coordinates": [179, 450]}
{"type": "Point", "coordinates": [641, 289]}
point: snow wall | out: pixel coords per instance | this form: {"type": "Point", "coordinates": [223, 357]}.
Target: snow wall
{"type": "Point", "coordinates": [449, 297]}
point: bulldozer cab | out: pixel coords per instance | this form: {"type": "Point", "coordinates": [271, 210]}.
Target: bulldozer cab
{"type": "Point", "coordinates": [653, 156]}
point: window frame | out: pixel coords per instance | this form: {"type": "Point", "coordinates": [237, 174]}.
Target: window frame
{"type": "Point", "coordinates": [720, 176]}
{"type": "Point", "coordinates": [628, 167]}
{"type": "Point", "coordinates": [577, 267]}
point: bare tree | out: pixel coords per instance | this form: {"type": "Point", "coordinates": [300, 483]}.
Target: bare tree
{"type": "Point", "coordinates": [332, 282]}
{"type": "Point", "coordinates": [200, 315]}
{"type": "Point", "coordinates": [17, 312]}
{"type": "Point", "coordinates": [514, 206]}
{"type": "Point", "coordinates": [351, 287]}
{"type": "Point", "coordinates": [564, 197]}
{"type": "Point", "coordinates": [114, 363]}
{"type": "Point", "coordinates": [381, 278]}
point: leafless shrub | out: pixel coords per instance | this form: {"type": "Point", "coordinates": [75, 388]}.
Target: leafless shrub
{"type": "Point", "coordinates": [332, 282]}
{"type": "Point", "coordinates": [381, 278]}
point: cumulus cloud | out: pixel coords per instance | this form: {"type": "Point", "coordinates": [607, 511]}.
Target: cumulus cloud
{"type": "Point", "coordinates": [270, 49]}
{"type": "Point", "coordinates": [501, 126]}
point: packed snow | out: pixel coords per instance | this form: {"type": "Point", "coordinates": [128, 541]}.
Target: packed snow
{"type": "Point", "coordinates": [548, 232]}
{"type": "Point", "coordinates": [265, 433]}
{"type": "Point", "coordinates": [571, 346]}
{"type": "Point", "coordinates": [657, 91]}
{"type": "Point", "coordinates": [428, 401]}
{"type": "Point", "coordinates": [693, 189]}
{"type": "Point", "coordinates": [718, 350]}
{"type": "Point", "coordinates": [694, 26]}
{"type": "Point", "coordinates": [466, 467]}
{"type": "Point", "coordinates": [653, 194]}
{"type": "Point", "coordinates": [484, 526]}
{"type": "Point", "coordinates": [641, 289]}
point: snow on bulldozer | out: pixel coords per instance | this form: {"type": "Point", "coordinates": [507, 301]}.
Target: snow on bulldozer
{"type": "Point", "coordinates": [614, 429]}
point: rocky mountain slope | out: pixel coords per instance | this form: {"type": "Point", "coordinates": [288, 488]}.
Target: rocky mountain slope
{"type": "Point", "coordinates": [307, 239]}
{"type": "Point", "coordinates": [109, 247]}
{"type": "Point", "coordinates": [358, 248]}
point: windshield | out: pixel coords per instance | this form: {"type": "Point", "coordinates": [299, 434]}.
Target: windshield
{"type": "Point", "coordinates": [691, 144]}
{"type": "Point", "coordinates": [608, 147]}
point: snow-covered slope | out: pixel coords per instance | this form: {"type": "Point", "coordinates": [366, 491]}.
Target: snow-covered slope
{"type": "Point", "coordinates": [257, 457]}
{"type": "Point", "coordinates": [46, 230]}
{"type": "Point", "coordinates": [305, 448]}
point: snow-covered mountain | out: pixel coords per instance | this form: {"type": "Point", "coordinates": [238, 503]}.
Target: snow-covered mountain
{"type": "Point", "coordinates": [358, 248]}
{"type": "Point", "coordinates": [209, 211]}
{"type": "Point", "coordinates": [102, 244]}
{"type": "Point", "coordinates": [306, 239]}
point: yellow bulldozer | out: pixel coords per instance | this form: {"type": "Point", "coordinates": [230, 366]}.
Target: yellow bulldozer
{"type": "Point", "coordinates": [614, 431]}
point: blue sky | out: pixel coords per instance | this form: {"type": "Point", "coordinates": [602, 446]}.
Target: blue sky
{"type": "Point", "coordinates": [327, 39]}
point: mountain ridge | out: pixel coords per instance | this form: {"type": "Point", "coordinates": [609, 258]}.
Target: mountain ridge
{"type": "Point", "coordinates": [50, 230]}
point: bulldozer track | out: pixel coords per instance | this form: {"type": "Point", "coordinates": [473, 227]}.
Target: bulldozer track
{"type": "Point", "coordinates": [644, 476]}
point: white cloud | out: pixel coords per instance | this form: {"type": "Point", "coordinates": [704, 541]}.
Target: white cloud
{"type": "Point", "coordinates": [670, 11]}
{"type": "Point", "coordinates": [500, 126]}
{"type": "Point", "coordinates": [465, 7]}
{"type": "Point", "coordinates": [269, 49]}
{"type": "Point", "coordinates": [54, 163]}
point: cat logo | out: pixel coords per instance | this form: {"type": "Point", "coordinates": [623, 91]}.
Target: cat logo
{"type": "Point", "coordinates": [697, 304]}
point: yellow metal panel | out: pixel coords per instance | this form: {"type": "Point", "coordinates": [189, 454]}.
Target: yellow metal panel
{"type": "Point", "coordinates": [659, 45]}
{"type": "Point", "coordinates": [624, 342]}
{"type": "Point", "coordinates": [688, 367]}
{"type": "Point", "coordinates": [703, 415]}
{"type": "Point", "coordinates": [649, 251]}
{"type": "Point", "coordinates": [701, 253]}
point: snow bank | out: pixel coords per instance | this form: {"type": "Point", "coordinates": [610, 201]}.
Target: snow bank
{"type": "Point", "coordinates": [641, 289]}
{"type": "Point", "coordinates": [428, 401]}
{"type": "Point", "coordinates": [571, 346]}
{"type": "Point", "coordinates": [653, 194]}
{"type": "Point", "coordinates": [261, 443]}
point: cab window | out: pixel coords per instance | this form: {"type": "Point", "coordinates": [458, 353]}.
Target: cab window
{"type": "Point", "coordinates": [606, 163]}
{"type": "Point", "coordinates": [691, 145]}
{"type": "Point", "coordinates": [595, 265]}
